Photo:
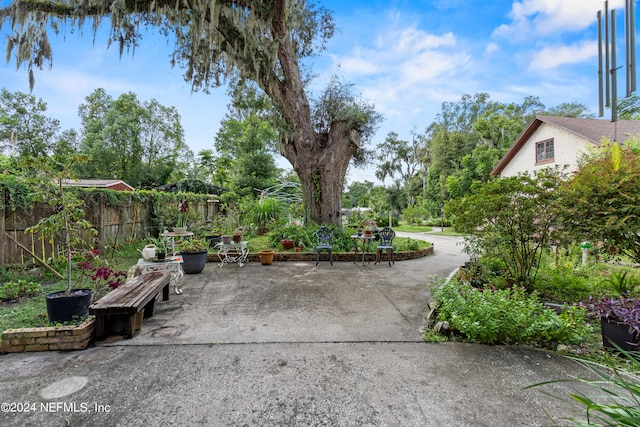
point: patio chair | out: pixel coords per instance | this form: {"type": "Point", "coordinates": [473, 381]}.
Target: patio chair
{"type": "Point", "coordinates": [324, 236]}
{"type": "Point", "coordinates": [386, 236]}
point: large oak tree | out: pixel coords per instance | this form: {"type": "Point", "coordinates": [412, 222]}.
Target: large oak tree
{"type": "Point", "coordinates": [261, 40]}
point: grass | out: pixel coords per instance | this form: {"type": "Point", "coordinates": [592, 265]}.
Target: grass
{"type": "Point", "coordinates": [31, 311]}
{"type": "Point", "coordinates": [27, 313]}
{"type": "Point", "coordinates": [412, 228]}
{"type": "Point", "coordinates": [409, 228]}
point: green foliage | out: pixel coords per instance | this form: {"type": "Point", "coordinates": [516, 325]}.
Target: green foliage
{"type": "Point", "coordinates": [165, 212]}
{"type": "Point", "coordinates": [138, 142]}
{"type": "Point", "coordinates": [357, 194]}
{"type": "Point", "coordinates": [623, 283]}
{"type": "Point", "coordinates": [563, 283]}
{"type": "Point", "coordinates": [296, 233]}
{"type": "Point", "coordinates": [194, 244]}
{"type": "Point", "coordinates": [13, 290]}
{"type": "Point", "coordinates": [97, 274]}
{"type": "Point", "coordinates": [68, 215]}
{"type": "Point", "coordinates": [508, 316]}
{"type": "Point", "coordinates": [383, 221]}
{"type": "Point", "coordinates": [338, 103]}
{"type": "Point", "coordinates": [18, 194]}
{"type": "Point", "coordinates": [400, 244]}
{"type": "Point", "coordinates": [244, 142]}
{"type": "Point", "coordinates": [28, 314]}
{"type": "Point", "coordinates": [511, 218]}
{"type": "Point", "coordinates": [414, 215]}
{"type": "Point", "coordinates": [615, 393]}
{"type": "Point", "coordinates": [402, 161]}
{"type": "Point", "coordinates": [602, 203]}
{"type": "Point", "coordinates": [264, 212]}
{"type": "Point", "coordinates": [22, 121]}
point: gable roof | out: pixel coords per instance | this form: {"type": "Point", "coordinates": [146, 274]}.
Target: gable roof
{"type": "Point", "coordinates": [114, 184]}
{"type": "Point", "coordinates": [591, 130]}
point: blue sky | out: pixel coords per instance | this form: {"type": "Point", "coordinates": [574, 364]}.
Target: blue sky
{"type": "Point", "coordinates": [407, 57]}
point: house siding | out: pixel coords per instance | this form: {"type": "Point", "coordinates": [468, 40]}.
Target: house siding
{"type": "Point", "coordinates": [567, 147]}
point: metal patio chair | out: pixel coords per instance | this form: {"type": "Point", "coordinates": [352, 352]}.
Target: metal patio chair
{"type": "Point", "coordinates": [386, 236]}
{"type": "Point", "coordinates": [324, 236]}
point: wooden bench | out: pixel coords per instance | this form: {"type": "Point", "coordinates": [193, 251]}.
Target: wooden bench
{"type": "Point", "coordinates": [128, 301]}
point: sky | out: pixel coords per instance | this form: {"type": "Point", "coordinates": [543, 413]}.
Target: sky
{"type": "Point", "coordinates": [406, 57]}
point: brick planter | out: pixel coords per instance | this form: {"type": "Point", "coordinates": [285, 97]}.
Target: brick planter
{"type": "Point", "coordinates": [48, 338]}
{"type": "Point", "coordinates": [337, 256]}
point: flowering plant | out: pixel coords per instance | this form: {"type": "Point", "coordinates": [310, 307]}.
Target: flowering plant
{"type": "Point", "coordinates": [623, 309]}
{"type": "Point", "coordinates": [183, 210]}
{"type": "Point", "coordinates": [103, 278]}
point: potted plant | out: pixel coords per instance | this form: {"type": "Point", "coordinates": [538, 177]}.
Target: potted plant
{"type": "Point", "coordinates": [100, 276]}
{"type": "Point", "coordinates": [286, 243]}
{"type": "Point", "coordinates": [160, 245]}
{"type": "Point", "coordinates": [67, 220]}
{"type": "Point", "coordinates": [181, 224]}
{"type": "Point", "coordinates": [266, 256]}
{"type": "Point", "coordinates": [227, 225]}
{"type": "Point", "coordinates": [213, 232]}
{"type": "Point", "coordinates": [619, 319]}
{"type": "Point", "coordinates": [237, 235]}
{"type": "Point", "coordinates": [194, 254]}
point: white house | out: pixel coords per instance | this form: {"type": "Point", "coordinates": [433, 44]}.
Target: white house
{"type": "Point", "coordinates": [551, 140]}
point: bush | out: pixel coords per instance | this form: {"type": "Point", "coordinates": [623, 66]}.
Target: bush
{"type": "Point", "coordinates": [508, 316]}
{"type": "Point", "coordinates": [264, 212]}
{"type": "Point", "coordinates": [384, 221]}
{"type": "Point", "coordinates": [407, 244]}
{"type": "Point", "coordinates": [14, 290]}
{"type": "Point", "coordinates": [562, 283]}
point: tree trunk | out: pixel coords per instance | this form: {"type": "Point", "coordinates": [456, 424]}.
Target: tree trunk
{"type": "Point", "coordinates": [320, 160]}
{"type": "Point", "coordinates": [322, 167]}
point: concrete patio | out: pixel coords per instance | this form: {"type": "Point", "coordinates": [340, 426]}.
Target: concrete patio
{"type": "Point", "coordinates": [291, 344]}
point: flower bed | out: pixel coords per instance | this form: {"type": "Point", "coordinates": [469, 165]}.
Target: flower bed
{"type": "Point", "coordinates": [53, 338]}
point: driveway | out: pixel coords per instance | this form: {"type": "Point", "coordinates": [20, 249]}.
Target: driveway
{"type": "Point", "coordinates": [290, 344]}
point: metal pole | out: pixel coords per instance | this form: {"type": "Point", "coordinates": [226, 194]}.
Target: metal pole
{"type": "Point", "coordinates": [607, 100]}
{"type": "Point", "coordinates": [600, 76]}
{"type": "Point", "coordinates": [632, 42]}
{"type": "Point", "coordinates": [627, 55]}
{"type": "Point", "coordinates": [614, 80]}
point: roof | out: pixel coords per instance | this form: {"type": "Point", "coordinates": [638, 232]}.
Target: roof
{"type": "Point", "coordinates": [592, 130]}
{"type": "Point", "coordinates": [98, 183]}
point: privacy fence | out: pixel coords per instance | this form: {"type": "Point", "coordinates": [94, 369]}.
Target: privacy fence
{"type": "Point", "coordinates": [117, 216]}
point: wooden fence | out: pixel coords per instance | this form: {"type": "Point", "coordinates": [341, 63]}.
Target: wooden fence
{"type": "Point", "coordinates": [127, 222]}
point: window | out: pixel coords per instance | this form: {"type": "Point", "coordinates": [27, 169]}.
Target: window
{"type": "Point", "coordinates": [544, 151]}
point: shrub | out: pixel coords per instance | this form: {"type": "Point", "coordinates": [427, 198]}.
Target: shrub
{"type": "Point", "coordinates": [623, 283]}
{"type": "Point", "coordinates": [406, 244]}
{"type": "Point", "coordinates": [98, 274]}
{"type": "Point", "coordinates": [264, 212]}
{"type": "Point", "coordinates": [562, 283]}
{"type": "Point", "coordinates": [508, 316]}
{"type": "Point", "coordinates": [11, 291]}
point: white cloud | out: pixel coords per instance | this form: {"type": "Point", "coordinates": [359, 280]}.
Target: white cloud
{"type": "Point", "coordinates": [403, 66]}
{"type": "Point", "coordinates": [554, 56]}
{"type": "Point", "coordinates": [491, 48]}
{"type": "Point", "coordinates": [531, 18]}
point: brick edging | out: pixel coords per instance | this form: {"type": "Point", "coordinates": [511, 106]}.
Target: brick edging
{"type": "Point", "coordinates": [53, 338]}
{"type": "Point", "coordinates": [337, 256]}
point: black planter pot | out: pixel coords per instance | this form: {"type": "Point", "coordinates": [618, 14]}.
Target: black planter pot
{"type": "Point", "coordinates": [214, 240]}
{"type": "Point", "coordinates": [65, 308]}
{"type": "Point", "coordinates": [618, 333]}
{"type": "Point", "coordinates": [193, 262]}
